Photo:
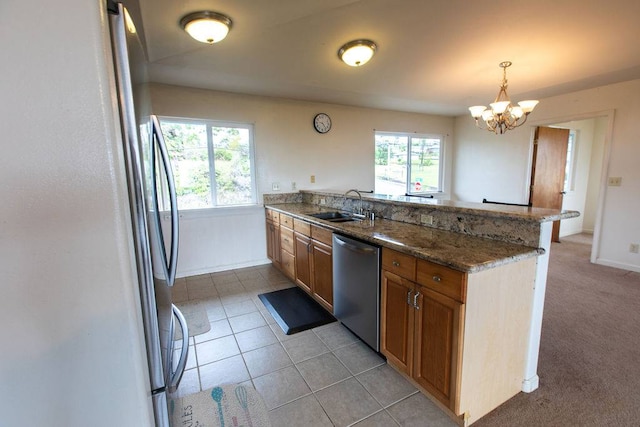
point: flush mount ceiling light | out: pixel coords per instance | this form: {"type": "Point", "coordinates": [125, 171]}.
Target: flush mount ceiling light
{"type": "Point", "coordinates": [206, 27]}
{"type": "Point", "coordinates": [502, 116]}
{"type": "Point", "coordinates": [357, 52]}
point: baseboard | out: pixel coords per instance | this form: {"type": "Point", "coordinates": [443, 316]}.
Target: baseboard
{"type": "Point", "coordinates": [616, 264]}
{"type": "Point", "coordinates": [220, 268]}
{"type": "Point", "coordinates": [531, 384]}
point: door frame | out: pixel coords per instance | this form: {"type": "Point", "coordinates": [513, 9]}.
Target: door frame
{"type": "Point", "coordinates": [604, 167]}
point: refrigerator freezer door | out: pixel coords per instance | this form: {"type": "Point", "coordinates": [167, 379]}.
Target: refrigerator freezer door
{"type": "Point", "coordinates": [156, 270]}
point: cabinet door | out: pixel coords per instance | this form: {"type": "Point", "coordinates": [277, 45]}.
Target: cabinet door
{"type": "Point", "coordinates": [273, 242]}
{"type": "Point", "coordinates": [302, 247]}
{"type": "Point", "coordinates": [322, 273]}
{"type": "Point", "coordinates": [396, 321]}
{"type": "Point", "coordinates": [437, 339]}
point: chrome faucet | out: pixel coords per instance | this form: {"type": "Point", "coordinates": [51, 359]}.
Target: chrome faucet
{"type": "Point", "coordinates": [359, 211]}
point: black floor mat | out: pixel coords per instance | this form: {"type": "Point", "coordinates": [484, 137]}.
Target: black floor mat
{"type": "Point", "coordinates": [294, 310]}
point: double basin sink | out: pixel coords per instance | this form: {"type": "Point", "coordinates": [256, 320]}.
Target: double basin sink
{"type": "Point", "coordinates": [335, 216]}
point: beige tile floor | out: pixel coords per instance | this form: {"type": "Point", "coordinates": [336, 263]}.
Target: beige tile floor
{"type": "Point", "coordinates": [321, 377]}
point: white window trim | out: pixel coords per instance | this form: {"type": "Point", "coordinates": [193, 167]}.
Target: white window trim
{"type": "Point", "coordinates": [209, 123]}
{"type": "Point", "coordinates": [441, 168]}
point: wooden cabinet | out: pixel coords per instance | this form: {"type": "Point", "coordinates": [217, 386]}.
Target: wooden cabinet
{"type": "Point", "coordinates": [302, 245]}
{"type": "Point", "coordinates": [303, 252]}
{"type": "Point", "coordinates": [314, 261]}
{"type": "Point", "coordinates": [397, 321]}
{"type": "Point", "coordinates": [420, 332]}
{"type": "Point", "coordinates": [287, 249]}
{"type": "Point", "coordinates": [273, 236]}
{"type": "Point", "coordinates": [322, 273]}
{"type": "Point", "coordinates": [460, 337]}
{"type": "Point", "coordinates": [438, 328]}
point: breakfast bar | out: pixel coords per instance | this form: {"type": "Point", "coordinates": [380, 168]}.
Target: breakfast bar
{"type": "Point", "coordinates": [462, 286]}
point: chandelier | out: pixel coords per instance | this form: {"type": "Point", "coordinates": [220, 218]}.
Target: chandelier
{"type": "Point", "coordinates": [502, 116]}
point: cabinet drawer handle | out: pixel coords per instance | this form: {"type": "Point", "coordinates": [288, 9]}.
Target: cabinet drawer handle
{"type": "Point", "coordinates": [415, 301]}
{"type": "Point", "coordinates": [396, 263]}
{"type": "Point", "coordinates": [409, 297]}
{"type": "Point", "coordinates": [437, 279]}
{"type": "Point", "coordinates": [286, 240]}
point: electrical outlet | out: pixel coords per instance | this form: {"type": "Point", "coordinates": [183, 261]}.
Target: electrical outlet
{"type": "Point", "coordinates": [615, 181]}
{"type": "Point", "coordinates": [312, 179]}
{"type": "Point", "coordinates": [275, 186]}
{"type": "Point", "coordinates": [323, 201]}
{"type": "Point", "coordinates": [293, 185]}
{"type": "Point", "coordinates": [426, 219]}
{"type": "Point", "coordinates": [634, 248]}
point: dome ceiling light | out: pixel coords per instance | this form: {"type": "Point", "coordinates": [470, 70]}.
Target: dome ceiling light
{"type": "Point", "coordinates": [501, 116]}
{"type": "Point", "coordinates": [357, 52]}
{"type": "Point", "coordinates": [206, 26]}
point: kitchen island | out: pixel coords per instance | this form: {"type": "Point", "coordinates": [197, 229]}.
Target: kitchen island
{"type": "Point", "coordinates": [460, 312]}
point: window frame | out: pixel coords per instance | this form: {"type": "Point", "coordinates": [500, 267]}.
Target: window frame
{"type": "Point", "coordinates": [441, 161]}
{"type": "Point", "coordinates": [209, 125]}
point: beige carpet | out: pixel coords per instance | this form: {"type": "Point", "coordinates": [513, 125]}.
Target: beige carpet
{"type": "Point", "coordinates": [196, 316]}
{"type": "Point", "coordinates": [589, 364]}
{"type": "Point", "coordinates": [224, 406]}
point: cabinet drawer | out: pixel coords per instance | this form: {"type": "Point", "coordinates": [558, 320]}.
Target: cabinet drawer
{"type": "Point", "coordinates": [302, 227]}
{"type": "Point", "coordinates": [442, 279]}
{"type": "Point", "coordinates": [288, 263]}
{"type": "Point", "coordinates": [286, 220]}
{"type": "Point", "coordinates": [273, 216]}
{"type": "Point", "coordinates": [321, 234]}
{"type": "Point", "coordinates": [286, 239]}
{"type": "Point", "coordinates": [398, 263]}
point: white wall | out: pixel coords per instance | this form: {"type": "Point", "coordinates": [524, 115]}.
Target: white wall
{"type": "Point", "coordinates": [498, 165]}
{"type": "Point", "coordinates": [288, 150]}
{"type": "Point", "coordinates": [595, 174]}
{"type": "Point", "coordinates": [72, 344]}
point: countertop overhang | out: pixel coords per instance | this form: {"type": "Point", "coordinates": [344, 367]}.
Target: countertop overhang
{"type": "Point", "coordinates": [462, 252]}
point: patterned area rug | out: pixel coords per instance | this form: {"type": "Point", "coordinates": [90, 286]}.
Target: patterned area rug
{"type": "Point", "coordinates": [229, 405]}
{"type": "Point", "coordinates": [196, 316]}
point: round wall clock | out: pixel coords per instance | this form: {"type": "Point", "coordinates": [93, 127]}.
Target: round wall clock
{"type": "Point", "coordinates": [322, 123]}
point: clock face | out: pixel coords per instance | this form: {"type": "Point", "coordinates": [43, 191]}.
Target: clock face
{"type": "Point", "coordinates": [322, 123]}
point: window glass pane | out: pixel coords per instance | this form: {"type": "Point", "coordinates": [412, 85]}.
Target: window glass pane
{"type": "Point", "coordinates": [425, 165]}
{"type": "Point", "coordinates": [391, 164]}
{"type": "Point", "coordinates": [187, 146]}
{"type": "Point", "coordinates": [569, 166]}
{"type": "Point", "coordinates": [232, 163]}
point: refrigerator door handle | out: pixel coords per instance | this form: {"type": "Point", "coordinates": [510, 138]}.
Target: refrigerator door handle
{"type": "Point", "coordinates": [176, 376]}
{"type": "Point", "coordinates": [171, 263]}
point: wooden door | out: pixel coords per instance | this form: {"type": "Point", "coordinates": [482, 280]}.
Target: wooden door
{"type": "Point", "coordinates": [302, 246]}
{"type": "Point", "coordinates": [547, 171]}
{"type": "Point", "coordinates": [437, 337]}
{"type": "Point", "coordinates": [396, 321]}
{"type": "Point", "coordinates": [322, 273]}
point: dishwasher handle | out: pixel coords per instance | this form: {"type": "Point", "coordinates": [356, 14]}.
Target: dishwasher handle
{"type": "Point", "coordinates": [355, 248]}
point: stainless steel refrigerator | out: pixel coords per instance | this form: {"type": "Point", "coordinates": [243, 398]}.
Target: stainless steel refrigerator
{"type": "Point", "coordinates": [149, 179]}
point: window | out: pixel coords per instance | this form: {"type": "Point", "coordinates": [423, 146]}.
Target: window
{"type": "Point", "coordinates": [407, 163]}
{"type": "Point", "coordinates": [212, 162]}
{"type": "Point", "coordinates": [570, 167]}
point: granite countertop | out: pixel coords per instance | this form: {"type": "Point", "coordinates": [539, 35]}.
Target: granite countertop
{"type": "Point", "coordinates": [490, 209]}
{"type": "Point", "coordinates": [459, 251]}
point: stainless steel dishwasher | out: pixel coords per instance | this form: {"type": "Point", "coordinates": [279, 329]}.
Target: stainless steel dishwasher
{"type": "Point", "coordinates": [356, 287]}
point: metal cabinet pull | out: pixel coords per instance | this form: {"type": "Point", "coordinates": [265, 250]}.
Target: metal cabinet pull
{"type": "Point", "coordinates": [396, 263]}
{"type": "Point", "coordinates": [437, 279]}
{"type": "Point", "coordinates": [415, 301]}
{"type": "Point", "coordinates": [409, 297]}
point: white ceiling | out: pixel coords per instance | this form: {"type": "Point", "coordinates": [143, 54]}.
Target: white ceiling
{"type": "Point", "coordinates": [437, 56]}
